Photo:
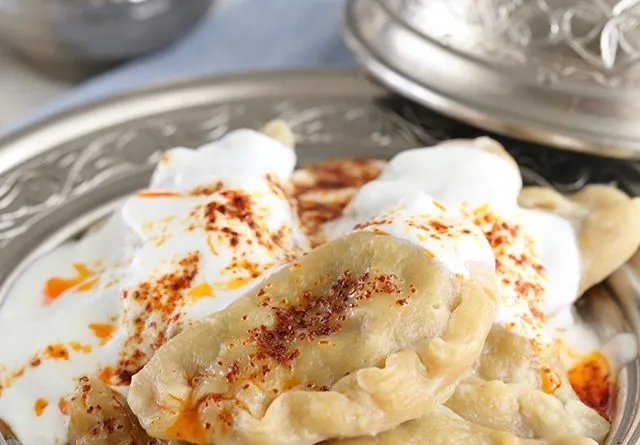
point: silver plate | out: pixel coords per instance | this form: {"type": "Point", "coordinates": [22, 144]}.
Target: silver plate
{"type": "Point", "coordinates": [560, 72]}
{"type": "Point", "coordinates": [60, 176]}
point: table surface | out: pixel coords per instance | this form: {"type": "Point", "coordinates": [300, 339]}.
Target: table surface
{"type": "Point", "coordinates": [23, 89]}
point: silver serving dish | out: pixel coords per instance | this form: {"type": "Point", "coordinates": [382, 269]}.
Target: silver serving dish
{"type": "Point", "coordinates": [560, 72]}
{"type": "Point", "coordinates": [72, 39]}
{"type": "Point", "coordinates": [59, 177]}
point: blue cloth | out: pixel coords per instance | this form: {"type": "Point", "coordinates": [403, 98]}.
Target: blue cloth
{"type": "Point", "coordinates": [246, 35]}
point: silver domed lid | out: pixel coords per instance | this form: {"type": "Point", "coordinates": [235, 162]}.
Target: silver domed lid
{"type": "Point", "coordinates": [560, 72]}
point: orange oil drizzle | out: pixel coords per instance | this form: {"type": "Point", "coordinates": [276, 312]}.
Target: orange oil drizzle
{"type": "Point", "coordinates": [56, 286]}
{"type": "Point", "coordinates": [590, 378]}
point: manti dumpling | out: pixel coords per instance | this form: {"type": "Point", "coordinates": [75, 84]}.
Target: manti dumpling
{"type": "Point", "coordinates": [100, 416]}
{"type": "Point", "coordinates": [525, 391]}
{"type": "Point", "coordinates": [360, 335]}
{"type": "Point", "coordinates": [444, 427]}
{"type": "Point", "coordinates": [519, 392]}
{"type": "Point", "coordinates": [526, 385]}
{"type": "Point", "coordinates": [606, 221]}
{"type": "Point", "coordinates": [507, 401]}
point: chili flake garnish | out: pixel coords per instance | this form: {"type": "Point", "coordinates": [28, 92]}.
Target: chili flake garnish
{"type": "Point", "coordinates": [520, 275]}
{"type": "Point", "coordinates": [315, 315]}
{"type": "Point", "coordinates": [164, 298]}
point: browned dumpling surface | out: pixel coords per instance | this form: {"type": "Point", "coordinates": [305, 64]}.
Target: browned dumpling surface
{"type": "Point", "coordinates": [362, 334]}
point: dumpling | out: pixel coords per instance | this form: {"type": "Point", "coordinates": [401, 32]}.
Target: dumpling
{"type": "Point", "coordinates": [606, 219]}
{"type": "Point", "coordinates": [444, 427]}
{"type": "Point", "coordinates": [506, 401]}
{"type": "Point", "coordinates": [519, 388]}
{"type": "Point", "coordinates": [100, 416]}
{"type": "Point", "coordinates": [362, 334]}
{"type": "Point", "coordinates": [524, 390]}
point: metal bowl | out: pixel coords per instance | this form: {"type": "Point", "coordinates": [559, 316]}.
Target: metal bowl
{"type": "Point", "coordinates": [73, 39]}
{"type": "Point", "coordinates": [560, 72]}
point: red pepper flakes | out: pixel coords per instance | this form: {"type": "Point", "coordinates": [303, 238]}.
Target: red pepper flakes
{"type": "Point", "coordinates": [238, 205]}
{"type": "Point", "coordinates": [164, 298]}
{"type": "Point", "coordinates": [374, 222]}
{"type": "Point", "coordinates": [518, 271]}
{"type": "Point", "coordinates": [233, 373]}
{"type": "Point", "coordinates": [591, 380]}
{"type": "Point", "coordinates": [243, 265]}
{"type": "Point", "coordinates": [315, 316]}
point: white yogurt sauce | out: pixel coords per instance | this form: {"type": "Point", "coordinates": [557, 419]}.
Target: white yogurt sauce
{"type": "Point", "coordinates": [29, 327]}
{"type": "Point", "coordinates": [444, 234]}
{"type": "Point", "coordinates": [231, 226]}
{"type": "Point", "coordinates": [220, 204]}
{"type": "Point", "coordinates": [479, 182]}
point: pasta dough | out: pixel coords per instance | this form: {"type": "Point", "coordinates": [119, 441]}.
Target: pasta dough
{"type": "Point", "coordinates": [519, 390]}
{"type": "Point", "coordinates": [524, 391]}
{"type": "Point", "coordinates": [606, 220]}
{"type": "Point", "coordinates": [444, 427]}
{"type": "Point", "coordinates": [100, 416]}
{"type": "Point", "coordinates": [279, 365]}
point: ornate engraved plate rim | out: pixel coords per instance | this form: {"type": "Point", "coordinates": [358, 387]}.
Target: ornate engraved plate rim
{"type": "Point", "coordinates": [567, 114]}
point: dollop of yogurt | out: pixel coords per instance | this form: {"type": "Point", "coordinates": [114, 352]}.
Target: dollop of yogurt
{"type": "Point", "coordinates": [536, 253]}
{"type": "Point", "coordinates": [213, 222]}
{"type": "Point", "coordinates": [444, 234]}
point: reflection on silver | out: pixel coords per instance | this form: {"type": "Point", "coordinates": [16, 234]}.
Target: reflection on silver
{"type": "Point", "coordinates": [560, 72]}
{"type": "Point", "coordinates": [61, 176]}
